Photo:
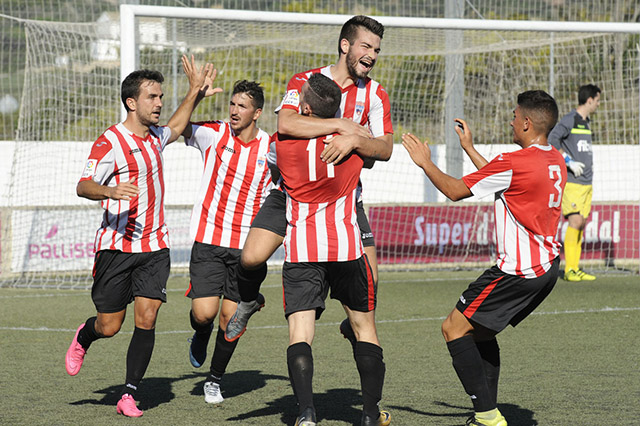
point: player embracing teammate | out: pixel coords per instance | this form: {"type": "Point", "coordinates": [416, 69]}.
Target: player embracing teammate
{"type": "Point", "coordinates": [363, 126]}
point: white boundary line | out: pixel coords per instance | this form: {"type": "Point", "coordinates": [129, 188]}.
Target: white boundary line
{"type": "Point", "coordinates": [87, 290]}
{"type": "Point", "coordinates": [333, 324]}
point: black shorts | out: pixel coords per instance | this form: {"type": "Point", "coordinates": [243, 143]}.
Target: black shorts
{"type": "Point", "coordinates": [212, 270]}
{"type": "Point", "coordinates": [272, 216]}
{"type": "Point", "coordinates": [497, 299]}
{"type": "Point", "coordinates": [119, 277]}
{"type": "Point", "coordinates": [306, 285]}
{"type": "Point", "coordinates": [366, 235]}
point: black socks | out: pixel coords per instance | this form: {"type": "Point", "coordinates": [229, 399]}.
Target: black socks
{"type": "Point", "coordinates": [88, 334]}
{"type": "Point", "coordinates": [300, 363]}
{"type": "Point", "coordinates": [469, 366]}
{"type": "Point", "coordinates": [221, 356]}
{"type": "Point", "coordinates": [371, 368]}
{"type": "Point", "coordinates": [138, 357]}
{"type": "Point", "coordinates": [249, 281]}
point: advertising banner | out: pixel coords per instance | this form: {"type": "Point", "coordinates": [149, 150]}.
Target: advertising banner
{"type": "Point", "coordinates": [63, 239]}
{"type": "Point", "coordinates": [465, 233]}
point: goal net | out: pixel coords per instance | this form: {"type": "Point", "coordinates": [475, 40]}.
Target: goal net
{"type": "Point", "coordinates": [71, 95]}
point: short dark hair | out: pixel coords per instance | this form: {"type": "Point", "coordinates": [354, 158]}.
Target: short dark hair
{"type": "Point", "coordinates": [587, 91]}
{"type": "Point", "coordinates": [130, 87]}
{"type": "Point", "coordinates": [350, 29]}
{"type": "Point", "coordinates": [252, 89]}
{"type": "Point", "coordinates": [541, 108]}
{"type": "Point", "coordinates": [323, 96]}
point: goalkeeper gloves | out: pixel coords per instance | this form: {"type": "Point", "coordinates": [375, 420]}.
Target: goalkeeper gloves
{"type": "Point", "coordinates": [576, 167]}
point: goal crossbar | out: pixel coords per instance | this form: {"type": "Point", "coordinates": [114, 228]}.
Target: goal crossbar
{"type": "Point", "coordinates": [128, 13]}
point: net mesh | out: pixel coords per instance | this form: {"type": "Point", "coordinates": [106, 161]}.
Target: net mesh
{"type": "Point", "coordinates": [71, 95]}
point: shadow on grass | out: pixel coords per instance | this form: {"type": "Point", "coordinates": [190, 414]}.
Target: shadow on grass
{"type": "Point", "coordinates": [515, 415]}
{"type": "Point", "coordinates": [336, 404]}
{"type": "Point", "coordinates": [239, 382]}
{"type": "Point", "coordinates": [153, 392]}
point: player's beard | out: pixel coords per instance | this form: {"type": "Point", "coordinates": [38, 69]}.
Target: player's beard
{"type": "Point", "coordinates": [352, 67]}
{"type": "Point", "coordinates": [149, 120]}
{"type": "Point", "coordinates": [239, 126]}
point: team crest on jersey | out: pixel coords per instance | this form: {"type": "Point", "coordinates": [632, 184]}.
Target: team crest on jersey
{"type": "Point", "coordinates": [292, 97]}
{"type": "Point", "coordinates": [359, 109]}
{"type": "Point", "coordinates": [262, 160]}
{"type": "Point", "coordinates": [90, 168]}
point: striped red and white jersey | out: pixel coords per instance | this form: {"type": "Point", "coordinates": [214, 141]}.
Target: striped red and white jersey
{"type": "Point", "coordinates": [321, 203]}
{"type": "Point", "coordinates": [235, 182]}
{"type": "Point", "coordinates": [365, 102]}
{"type": "Point", "coordinates": [528, 186]}
{"type": "Point", "coordinates": [118, 155]}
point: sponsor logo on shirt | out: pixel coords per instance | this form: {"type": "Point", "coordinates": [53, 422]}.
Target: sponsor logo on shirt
{"type": "Point", "coordinates": [229, 149]}
{"type": "Point", "coordinates": [134, 151]}
{"type": "Point", "coordinates": [358, 110]}
{"type": "Point", "coordinates": [90, 168]}
{"type": "Point", "coordinates": [584, 146]}
{"type": "Point", "coordinates": [292, 97]}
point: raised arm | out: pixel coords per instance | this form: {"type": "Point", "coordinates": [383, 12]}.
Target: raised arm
{"type": "Point", "coordinates": [200, 85]}
{"type": "Point", "coordinates": [466, 142]}
{"type": "Point", "coordinates": [454, 189]}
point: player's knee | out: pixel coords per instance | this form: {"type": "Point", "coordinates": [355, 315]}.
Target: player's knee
{"type": "Point", "coordinates": [251, 259]}
{"type": "Point", "coordinates": [204, 317]}
{"type": "Point", "coordinates": [109, 330]}
{"type": "Point", "coordinates": [146, 318]}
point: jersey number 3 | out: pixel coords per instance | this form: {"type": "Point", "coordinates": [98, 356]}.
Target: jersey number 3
{"type": "Point", "coordinates": [555, 173]}
{"type": "Point", "coordinates": [314, 160]}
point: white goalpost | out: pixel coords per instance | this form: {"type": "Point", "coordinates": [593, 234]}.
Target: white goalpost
{"type": "Point", "coordinates": [434, 69]}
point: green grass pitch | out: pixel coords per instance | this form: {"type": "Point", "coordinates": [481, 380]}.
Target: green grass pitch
{"type": "Point", "coordinates": [576, 360]}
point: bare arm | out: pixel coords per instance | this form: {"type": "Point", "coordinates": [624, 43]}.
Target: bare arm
{"type": "Point", "coordinates": [454, 189]}
{"type": "Point", "coordinates": [292, 124]}
{"type": "Point", "coordinates": [466, 142]}
{"type": "Point", "coordinates": [94, 191]}
{"type": "Point", "coordinates": [376, 149]}
{"type": "Point", "coordinates": [200, 85]}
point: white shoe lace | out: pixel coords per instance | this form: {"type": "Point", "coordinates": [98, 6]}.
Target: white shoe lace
{"type": "Point", "coordinates": [212, 390]}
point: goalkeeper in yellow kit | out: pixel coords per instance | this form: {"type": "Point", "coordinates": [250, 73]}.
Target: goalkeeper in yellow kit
{"type": "Point", "coordinates": [572, 137]}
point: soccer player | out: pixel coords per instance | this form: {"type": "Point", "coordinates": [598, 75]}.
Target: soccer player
{"type": "Point", "coordinates": [363, 123]}
{"type": "Point", "coordinates": [124, 171]}
{"type": "Point", "coordinates": [235, 182]}
{"type": "Point", "coordinates": [527, 186]}
{"type": "Point", "coordinates": [324, 251]}
{"type": "Point", "coordinates": [572, 137]}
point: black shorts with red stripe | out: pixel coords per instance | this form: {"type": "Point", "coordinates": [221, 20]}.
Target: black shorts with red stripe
{"type": "Point", "coordinates": [497, 299]}
{"type": "Point", "coordinates": [307, 284]}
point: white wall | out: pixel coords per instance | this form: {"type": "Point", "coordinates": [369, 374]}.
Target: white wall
{"type": "Point", "coordinates": [46, 174]}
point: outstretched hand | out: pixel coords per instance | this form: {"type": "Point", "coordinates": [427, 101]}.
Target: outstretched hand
{"type": "Point", "coordinates": [201, 78]}
{"type": "Point", "coordinates": [419, 152]}
{"type": "Point", "coordinates": [464, 134]}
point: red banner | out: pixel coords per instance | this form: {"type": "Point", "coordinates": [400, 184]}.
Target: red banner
{"type": "Point", "coordinates": [465, 233]}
